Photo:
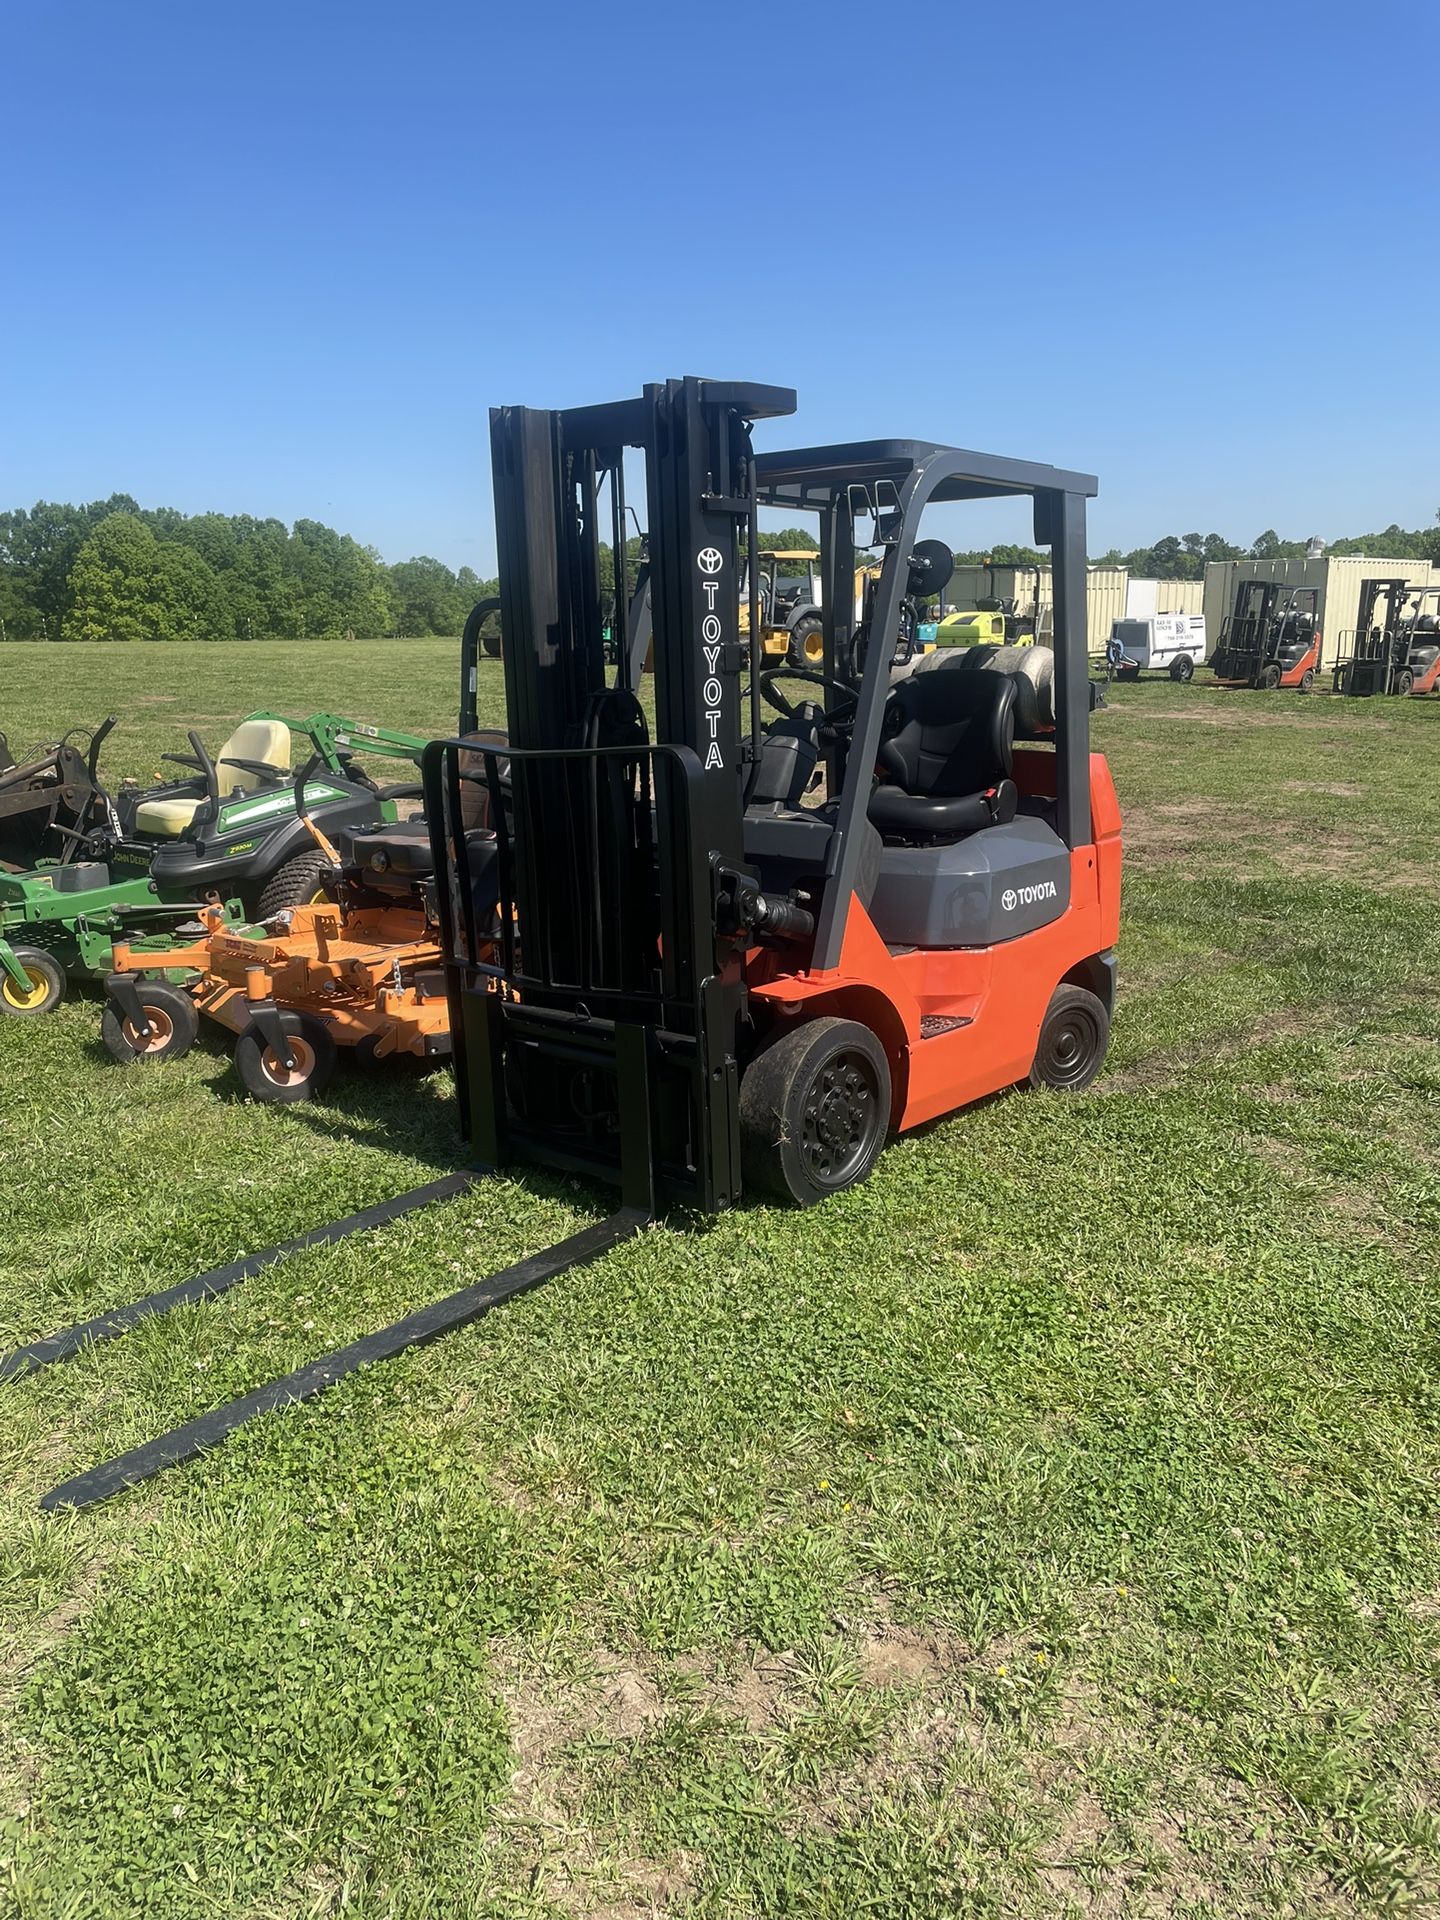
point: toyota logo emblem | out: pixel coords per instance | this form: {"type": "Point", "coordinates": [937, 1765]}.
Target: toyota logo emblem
{"type": "Point", "coordinates": [710, 560]}
{"type": "Point", "coordinates": [1008, 899]}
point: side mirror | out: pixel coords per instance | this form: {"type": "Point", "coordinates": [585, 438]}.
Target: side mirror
{"type": "Point", "coordinates": [931, 565]}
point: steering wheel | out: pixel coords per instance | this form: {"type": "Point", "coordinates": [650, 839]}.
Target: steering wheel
{"type": "Point", "coordinates": [831, 716]}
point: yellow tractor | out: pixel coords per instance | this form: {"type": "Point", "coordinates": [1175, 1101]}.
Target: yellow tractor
{"type": "Point", "coordinates": [791, 626]}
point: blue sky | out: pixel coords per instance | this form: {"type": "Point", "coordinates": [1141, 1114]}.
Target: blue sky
{"type": "Point", "coordinates": [282, 258]}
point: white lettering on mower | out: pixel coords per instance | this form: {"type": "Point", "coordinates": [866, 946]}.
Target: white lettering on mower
{"type": "Point", "coordinates": [710, 560]}
{"type": "Point", "coordinates": [1027, 896]}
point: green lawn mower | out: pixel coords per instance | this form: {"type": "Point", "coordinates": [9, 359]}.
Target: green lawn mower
{"type": "Point", "coordinates": [233, 831]}
{"type": "Point", "coordinates": [228, 832]}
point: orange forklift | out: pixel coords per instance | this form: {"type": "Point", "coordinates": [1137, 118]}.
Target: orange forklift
{"type": "Point", "coordinates": [678, 964]}
{"type": "Point", "coordinates": [1271, 639]}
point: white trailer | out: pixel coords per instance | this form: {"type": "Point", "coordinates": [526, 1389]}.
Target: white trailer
{"type": "Point", "coordinates": [1172, 643]}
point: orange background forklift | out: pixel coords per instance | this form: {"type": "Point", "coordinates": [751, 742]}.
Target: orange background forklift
{"type": "Point", "coordinates": [1271, 639]}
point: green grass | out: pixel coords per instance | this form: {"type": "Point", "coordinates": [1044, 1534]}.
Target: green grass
{"type": "Point", "coordinates": [1047, 1528]}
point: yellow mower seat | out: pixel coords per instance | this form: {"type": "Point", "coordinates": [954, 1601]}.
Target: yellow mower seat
{"type": "Point", "coordinates": [167, 816]}
{"type": "Point", "coordinates": [266, 740]}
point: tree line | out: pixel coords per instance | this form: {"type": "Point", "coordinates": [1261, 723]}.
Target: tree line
{"type": "Point", "coordinates": [114, 570]}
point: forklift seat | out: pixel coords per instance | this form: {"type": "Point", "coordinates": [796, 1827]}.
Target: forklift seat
{"type": "Point", "coordinates": [948, 753]}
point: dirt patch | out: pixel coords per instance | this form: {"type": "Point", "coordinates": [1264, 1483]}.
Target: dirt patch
{"type": "Point", "coordinates": [1340, 789]}
{"type": "Point", "coordinates": [901, 1658]}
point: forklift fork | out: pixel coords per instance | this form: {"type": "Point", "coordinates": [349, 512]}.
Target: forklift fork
{"type": "Point", "coordinates": [636, 1211]}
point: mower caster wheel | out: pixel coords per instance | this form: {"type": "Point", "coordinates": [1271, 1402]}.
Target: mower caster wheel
{"type": "Point", "coordinates": [174, 1026]}
{"type": "Point", "coordinates": [264, 1071]}
{"type": "Point", "coordinates": [304, 881]}
{"type": "Point", "coordinates": [1073, 1038]}
{"type": "Point", "coordinates": [814, 1110]}
{"type": "Point", "coordinates": [46, 987]}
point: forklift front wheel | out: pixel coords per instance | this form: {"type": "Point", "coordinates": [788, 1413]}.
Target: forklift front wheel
{"type": "Point", "coordinates": [1405, 681]}
{"type": "Point", "coordinates": [1270, 678]}
{"type": "Point", "coordinates": [262, 1067]}
{"type": "Point", "coordinates": [1073, 1038]}
{"type": "Point", "coordinates": [44, 991]}
{"type": "Point", "coordinates": [814, 1111]}
{"type": "Point", "coordinates": [173, 1021]}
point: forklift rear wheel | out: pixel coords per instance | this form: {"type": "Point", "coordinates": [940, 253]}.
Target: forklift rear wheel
{"type": "Point", "coordinates": [301, 882]}
{"type": "Point", "coordinates": [1183, 668]}
{"type": "Point", "coordinates": [807, 643]}
{"type": "Point", "coordinates": [1073, 1038]}
{"type": "Point", "coordinates": [45, 991]}
{"type": "Point", "coordinates": [814, 1110]}
{"type": "Point", "coordinates": [1405, 681]}
{"type": "Point", "coordinates": [174, 1026]}
{"type": "Point", "coordinates": [1307, 680]}
{"type": "Point", "coordinates": [263, 1069]}
{"type": "Point", "coordinates": [1270, 678]}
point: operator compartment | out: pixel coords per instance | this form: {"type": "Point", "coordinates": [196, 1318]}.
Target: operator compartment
{"type": "Point", "coordinates": [967, 861]}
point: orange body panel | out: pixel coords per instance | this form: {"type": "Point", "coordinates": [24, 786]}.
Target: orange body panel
{"type": "Point", "coordinates": [997, 995]}
{"type": "Point", "coordinates": [1429, 681]}
{"type": "Point", "coordinates": [1308, 663]}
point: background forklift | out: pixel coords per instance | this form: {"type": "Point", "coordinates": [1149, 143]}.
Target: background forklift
{"type": "Point", "coordinates": [704, 986]}
{"type": "Point", "coordinates": [1271, 639]}
{"type": "Point", "coordinates": [1395, 646]}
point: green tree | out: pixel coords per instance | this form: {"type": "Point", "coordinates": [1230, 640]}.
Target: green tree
{"type": "Point", "coordinates": [427, 598]}
{"type": "Point", "coordinates": [115, 581]}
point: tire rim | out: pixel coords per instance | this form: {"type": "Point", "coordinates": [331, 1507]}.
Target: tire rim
{"type": "Point", "coordinates": [839, 1119]}
{"type": "Point", "coordinates": [1070, 1049]}
{"type": "Point", "coordinates": [162, 1030]}
{"type": "Point", "coordinates": [25, 999]}
{"type": "Point", "coordinates": [278, 1074]}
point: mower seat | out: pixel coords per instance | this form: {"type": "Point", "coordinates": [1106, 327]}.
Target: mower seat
{"type": "Point", "coordinates": [948, 752]}
{"type": "Point", "coordinates": [168, 818]}
{"type": "Point", "coordinates": [264, 740]}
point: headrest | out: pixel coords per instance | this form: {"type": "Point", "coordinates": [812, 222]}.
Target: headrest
{"type": "Point", "coordinates": [1032, 668]}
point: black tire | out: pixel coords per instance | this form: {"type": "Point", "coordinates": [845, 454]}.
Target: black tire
{"type": "Point", "coordinates": [1307, 680]}
{"type": "Point", "coordinates": [807, 642]}
{"type": "Point", "coordinates": [267, 1079]}
{"type": "Point", "coordinates": [1074, 1036]}
{"type": "Point", "coordinates": [490, 642]}
{"type": "Point", "coordinates": [171, 1013]}
{"type": "Point", "coordinates": [1182, 669]}
{"type": "Point", "coordinates": [1270, 677]}
{"type": "Point", "coordinates": [1405, 681]}
{"type": "Point", "coordinates": [46, 989]}
{"type": "Point", "coordinates": [814, 1111]}
{"type": "Point", "coordinates": [301, 882]}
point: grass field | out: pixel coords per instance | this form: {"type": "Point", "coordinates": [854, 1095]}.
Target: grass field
{"type": "Point", "coordinates": [1047, 1528]}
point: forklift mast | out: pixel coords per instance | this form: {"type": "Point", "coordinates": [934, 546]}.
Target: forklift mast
{"type": "Point", "coordinates": [613, 1036]}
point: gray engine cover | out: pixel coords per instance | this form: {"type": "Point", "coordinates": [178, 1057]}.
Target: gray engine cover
{"type": "Point", "coordinates": [991, 886]}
